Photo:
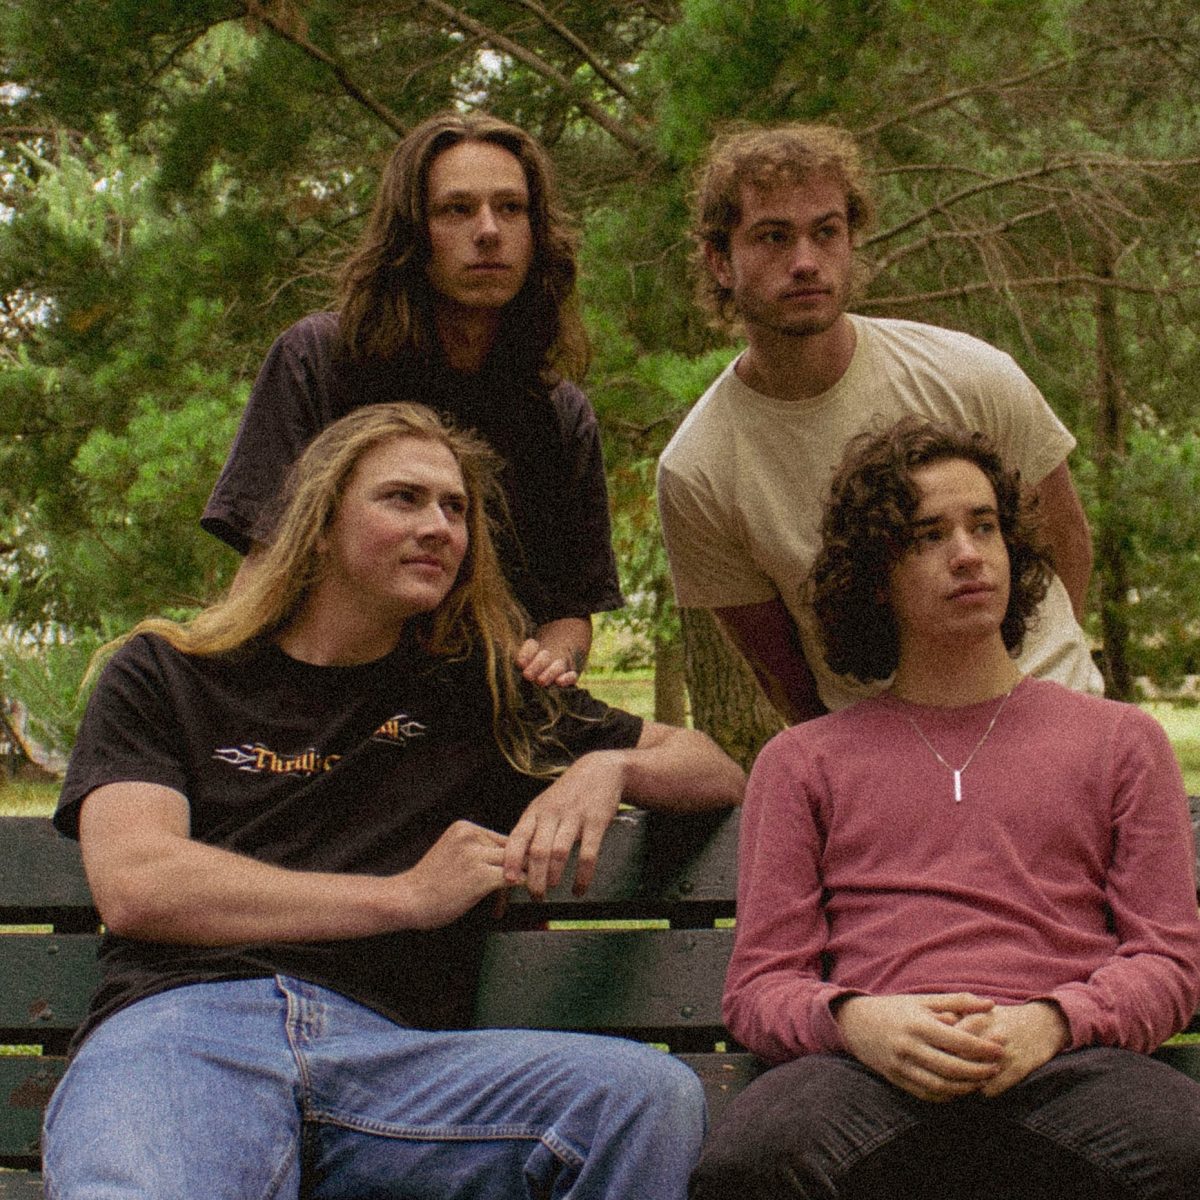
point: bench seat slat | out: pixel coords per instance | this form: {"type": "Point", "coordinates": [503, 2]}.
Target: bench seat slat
{"type": "Point", "coordinates": [48, 980]}
{"type": "Point", "coordinates": [604, 979]}
{"type": "Point", "coordinates": [25, 1086]}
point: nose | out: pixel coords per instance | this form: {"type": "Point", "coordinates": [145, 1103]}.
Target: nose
{"type": "Point", "coordinates": [804, 260]}
{"type": "Point", "coordinates": [435, 524]}
{"type": "Point", "coordinates": [964, 551]}
{"type": "Point", "coordinates": [486, 226]}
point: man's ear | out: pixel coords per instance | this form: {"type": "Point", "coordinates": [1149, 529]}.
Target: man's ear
{"type": "Point", "coordinates": [718, 264]}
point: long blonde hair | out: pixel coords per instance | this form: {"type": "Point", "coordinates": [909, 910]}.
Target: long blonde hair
{"type": "Point", "coordinates": [479, 613]}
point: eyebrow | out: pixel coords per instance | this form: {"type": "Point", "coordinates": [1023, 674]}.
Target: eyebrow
{"type": "Point", "coordinates": [832, 215]}
{"type": "Point", "coordinates": [475, 193]}
{"type": "Point", "coordinates": [980, 510]}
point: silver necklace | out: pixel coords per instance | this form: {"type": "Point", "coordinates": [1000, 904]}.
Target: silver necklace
{"type": "Point", "coordinates": [957, 772]}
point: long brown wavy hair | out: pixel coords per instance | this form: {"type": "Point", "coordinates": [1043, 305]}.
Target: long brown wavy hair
{"type": "Point", "coordinates": [868, 526]}
{"type": "Point", "coordinates": [478, 615]}
{"type": "Point", "coordinates": [385, 300]}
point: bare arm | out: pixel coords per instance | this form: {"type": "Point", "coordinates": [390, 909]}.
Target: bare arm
{"type": "Point", "coordinates": [766, 637]}
{"type": "Point", "coordinates": [676, 770]}
{"type": "Point", "coordinates": [1068, 533]}
{"type": "Point", "coordinates": [557, 652]}
{"type": "Point", "coordinates": [152, 881]}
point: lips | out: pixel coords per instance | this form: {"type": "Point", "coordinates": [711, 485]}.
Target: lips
{"type": "Point", "coordinates": [426, 563]}
{"type": "Point", "coordinates": [969, 590]}
{"type": "Point", "coordinates": [812, 293]}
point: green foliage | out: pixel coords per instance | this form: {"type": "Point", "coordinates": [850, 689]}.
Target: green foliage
{"type": "Point", "coordinates": [181, 176]}
{"type": "Point", "coordinates": [1155, 508]}
{"type": "Point", "coordinates": [48, 680]}
{"type": "Point", "coordinates": [119, 402]}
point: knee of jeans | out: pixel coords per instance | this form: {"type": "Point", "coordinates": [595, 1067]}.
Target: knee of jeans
{"type": "Point", "coordinates": [653, 1085]}
{"type": "Point", "coordinates": [664, 1081]}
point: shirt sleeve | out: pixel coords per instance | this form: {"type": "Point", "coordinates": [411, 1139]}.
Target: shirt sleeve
{"type": "Point", "coordinates": [1027, 430]}
{"type": "Point", "coordinates": [286, 410]}
{"type": "Point", "coordinates": [586, 581]}
{"type": "Point", "coordinates": [710, 567]}
{"type": "Point", "coordinates": [776, 1002]}
{"type": "Point", "coordinates": [130, 733]}
{"type": "Point", "coordinates": [1150, 987]}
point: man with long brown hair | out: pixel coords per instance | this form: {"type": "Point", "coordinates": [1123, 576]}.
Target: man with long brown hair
{"type": "Point", "coordinates": [293, 810]}
{"type": "Point", "coordinates": [461, 292]}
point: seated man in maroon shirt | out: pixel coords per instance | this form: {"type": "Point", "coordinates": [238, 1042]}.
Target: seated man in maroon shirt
{"type": "Point", "coordinates": [967, 907]}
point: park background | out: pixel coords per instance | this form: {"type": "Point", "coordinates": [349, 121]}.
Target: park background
{"type": "Point", "coordinates": [178, 178]}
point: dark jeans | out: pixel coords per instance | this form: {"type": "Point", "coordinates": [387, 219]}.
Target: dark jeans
{"type": "Point", "coordinates": [1098, 1123]}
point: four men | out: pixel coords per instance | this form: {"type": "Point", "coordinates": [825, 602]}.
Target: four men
{"type": "Point", "coordinates": [967, 906]}
{"type": "Point", "coordinates": [742, 484]}
{"type": "Point", "coordinates": [975, 888]}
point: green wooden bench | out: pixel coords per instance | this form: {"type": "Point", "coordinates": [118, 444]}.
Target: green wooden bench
{"type": "Point", "coordinates": [659, 983]}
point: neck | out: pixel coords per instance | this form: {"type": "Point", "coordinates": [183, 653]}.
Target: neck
{"type": "Point", "coordinates": [325, 638]}
{"type": "Point", "coordinates": [957, 678]}
{"type": "Point", "coordinates": [797, 367]}
{"type": "Point", "coordinates": [467, 335]}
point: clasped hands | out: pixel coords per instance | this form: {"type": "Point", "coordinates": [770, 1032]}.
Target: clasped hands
{"type": "Point", "coordinates": [942, 1047]}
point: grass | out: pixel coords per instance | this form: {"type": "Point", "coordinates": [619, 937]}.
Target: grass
{"type": "Point", "coordinates": [20, 799]}
{"type": "Point", "coordinates": [630, 690]}
{"type": "Point", "coordinates": [1182, 723]}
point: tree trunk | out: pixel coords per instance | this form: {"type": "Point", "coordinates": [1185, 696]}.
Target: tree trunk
{"type": "Point", "coordinates": [1112, 567]}
{"type": "Point", "coordinates": [669, 693]}
{"type": "Point", "coordinates": [727, 702]}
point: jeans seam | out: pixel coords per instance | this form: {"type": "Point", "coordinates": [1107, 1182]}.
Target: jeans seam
{"type": "Point", "coordinates": [864, 1150]}
{"type": "Point", "coordinates": [290, 1020]}
{"type": "Point", "coordinates": [561, 1150]}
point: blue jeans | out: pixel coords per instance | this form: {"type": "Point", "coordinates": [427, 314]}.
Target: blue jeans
{"type": "Point", "coordinates": [1097, 1124]}
{"type": "Point", "coordinates": [277, 1088]}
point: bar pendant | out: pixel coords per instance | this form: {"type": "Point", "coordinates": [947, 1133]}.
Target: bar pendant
{"type": "Point", "coordinates": [957, 787]}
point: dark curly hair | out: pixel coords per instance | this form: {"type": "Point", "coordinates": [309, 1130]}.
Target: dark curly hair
{"type": "Point", "coordinates": [867, 527]}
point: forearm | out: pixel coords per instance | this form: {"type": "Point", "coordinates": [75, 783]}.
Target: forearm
{"type": "Point", "coordinates": [247, 567]}
{"type": "Point", "coordinates": [1073, 565]}
{"type": "Point", "coordinates": [1067, 531]}
{"type": "Point", "coordinates": [152, 881]}
{"type": "Point", "coordinates": [678, 770]}
{"type": "Point", "coordinates": [1135, 1003]}
{"type": "Point", "coordinates": [180, 891]}
{"type": "Point", "coordinates": [766, 637]}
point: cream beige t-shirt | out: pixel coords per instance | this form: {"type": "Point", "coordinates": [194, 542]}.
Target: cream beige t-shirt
{"type": "Point", "coordinates": [742, 484]}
